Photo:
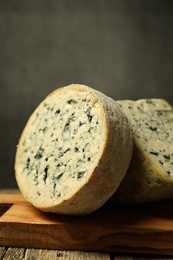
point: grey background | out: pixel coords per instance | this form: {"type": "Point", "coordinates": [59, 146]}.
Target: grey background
{"type": "Point", "coordinates": [123, 48]}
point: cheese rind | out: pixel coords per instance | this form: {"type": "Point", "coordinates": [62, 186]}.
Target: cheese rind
{"type": "Point", "coordinates": [73, 152]}
{"type": "Point", "coordinates": [150, 174]}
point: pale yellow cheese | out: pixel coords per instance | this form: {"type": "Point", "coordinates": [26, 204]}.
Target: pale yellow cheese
{"type": "Point", "coordinates": [150, 175]}
{"type": "Point", "coordinates": [74, 151]}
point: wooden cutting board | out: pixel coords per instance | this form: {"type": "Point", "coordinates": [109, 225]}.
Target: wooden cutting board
{"type": "Point", "coordinates": [141, 229]}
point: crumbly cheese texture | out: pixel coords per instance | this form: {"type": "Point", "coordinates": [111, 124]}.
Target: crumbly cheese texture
{"type": "Point", "coordinates": [150, 175]}
{"type": "Point", "coordinates": [73, 152]}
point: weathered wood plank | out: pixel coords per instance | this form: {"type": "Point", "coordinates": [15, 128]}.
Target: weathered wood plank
{"type": "Point", "coordinates": [14, 253]}
{"type": "Point", "coordinates": [39, 254]}
{"type": "Point", "coordinates": [2, 252]}
{"type": "Point", "coordinates": [34, 254]}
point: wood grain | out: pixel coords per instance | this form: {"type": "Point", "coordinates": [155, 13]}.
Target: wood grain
{"type": "Point", "coordinates": [144, 229]}
{"type": "Point", "coordinates": [14, 253]}
{"type": "Point", "coordinates": [2, 252]}
{"type": "Point", "coordinates": [43, 254]}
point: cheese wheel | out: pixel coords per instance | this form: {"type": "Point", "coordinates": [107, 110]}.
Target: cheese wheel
{"type": "Point", "coordinates": [150, 174]}
{"type": "Point", "coordinates": [73, 152]}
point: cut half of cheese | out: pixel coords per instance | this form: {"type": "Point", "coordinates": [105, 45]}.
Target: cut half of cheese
{"type": "Point", "coordinates": [74, 151]}
{"type": "Point", "coordinates": [150, 175]}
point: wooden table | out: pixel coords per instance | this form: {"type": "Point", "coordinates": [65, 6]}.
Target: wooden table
{"type": "Point", "coordinates": [42, 254]}
{"type": "Point", "coordinates": [28, 253]}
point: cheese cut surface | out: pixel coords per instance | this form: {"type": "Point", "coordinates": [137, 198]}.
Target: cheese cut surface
{"type": "Point", "coordinates": [150, 175]}
{"type": "Point", "coordinates": [73, 152]}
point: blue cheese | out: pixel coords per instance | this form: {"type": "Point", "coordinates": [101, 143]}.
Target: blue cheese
{"type": "Point", "coordinates": [64, 161]}
{"type": "Point", "coordinates": [150, 175]}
